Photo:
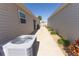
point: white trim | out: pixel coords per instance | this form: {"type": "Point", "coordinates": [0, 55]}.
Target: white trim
{"type": "Point", "coordinates": [21, 12]}
{"type": "Point", "coordinates": [21, 17]}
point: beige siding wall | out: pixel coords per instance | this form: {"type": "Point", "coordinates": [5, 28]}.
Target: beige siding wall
{"type": "Point", "coordinates": [10, 25]}
{"type": "Point", "coordinates": [28, 27]}
{"type": "Point", "coordinates": [66, 22]}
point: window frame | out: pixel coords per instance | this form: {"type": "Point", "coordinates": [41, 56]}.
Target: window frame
{"type": "Point", "coordinates": [24, 21]}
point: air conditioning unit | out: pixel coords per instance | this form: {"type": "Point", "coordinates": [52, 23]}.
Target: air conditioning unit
{"type": "Point", "coordinates": [20, 46]}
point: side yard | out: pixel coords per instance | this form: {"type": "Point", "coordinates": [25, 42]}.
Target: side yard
{"type": "Point", "coordinates": [67, 47]}
{"type": "Point", "coordinates": [47, 45]}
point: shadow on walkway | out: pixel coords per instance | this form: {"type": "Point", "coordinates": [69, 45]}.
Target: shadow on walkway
{"type": "Point", "coordinates": [35, 48]}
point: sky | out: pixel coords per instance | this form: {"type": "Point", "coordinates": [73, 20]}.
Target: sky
{"type": "Point", "coordinates": [42, 9]}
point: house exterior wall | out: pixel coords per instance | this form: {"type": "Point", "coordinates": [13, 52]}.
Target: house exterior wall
{"type": "Point", "coordinates": [28, 27]}
{"type": "Point", "coordinates": [10, 25]}
{"type": "Point", "coordinates": [66, 22]}
{"type": "Point", "coordinates": [37, 22]}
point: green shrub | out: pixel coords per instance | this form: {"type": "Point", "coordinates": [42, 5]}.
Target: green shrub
{"type": "Point", "coordinates": [53, 32]}
{"type": "Point", "coordinates": [64, 42]}
{"type": "Point", "coordinates": [60, 41]}
{"type": "Point", "coordinates": [49, 29]}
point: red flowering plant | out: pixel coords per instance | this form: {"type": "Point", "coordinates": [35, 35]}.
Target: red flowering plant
{"type": "Point", "coordinates": [76, 42]}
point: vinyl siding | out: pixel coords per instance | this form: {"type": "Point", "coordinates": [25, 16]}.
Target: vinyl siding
{"type": "Point", "coordinates": [66, 22]}
{"type": "Point", "coordinates": [10, 25]}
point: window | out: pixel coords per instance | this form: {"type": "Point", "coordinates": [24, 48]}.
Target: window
{"type": "Point", "coordinates": [22, 17]}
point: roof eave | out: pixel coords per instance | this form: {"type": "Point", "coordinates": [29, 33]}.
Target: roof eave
{"type": "Point", "coordinates": [59, 9]}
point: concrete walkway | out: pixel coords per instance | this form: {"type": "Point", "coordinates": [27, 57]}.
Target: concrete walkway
{"type": "Point", "coordinates": [47, 46]}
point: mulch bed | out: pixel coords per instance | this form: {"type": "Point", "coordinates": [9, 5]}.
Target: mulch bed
{"type": "Point", "coordinates": [68, 51]}
{"type": "Point", "coordinates": [72, 49]}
